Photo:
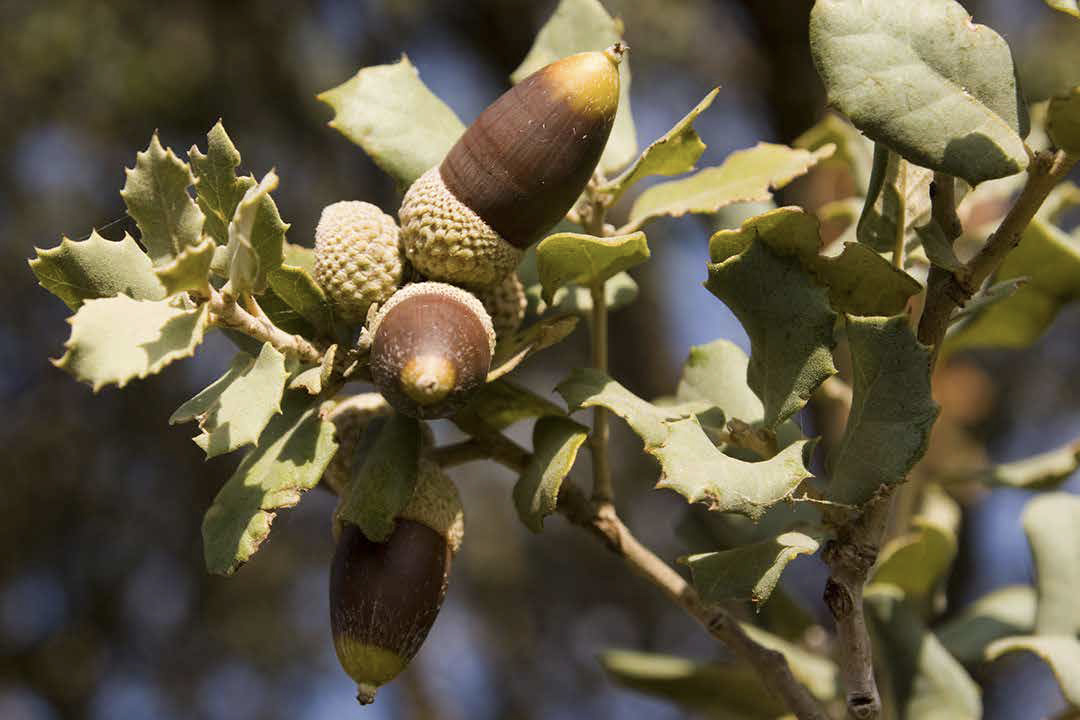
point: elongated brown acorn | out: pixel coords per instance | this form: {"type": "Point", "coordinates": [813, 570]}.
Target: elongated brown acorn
{"type": "Point", "coordinates": [515, 172]}
{"type": "Point", "coordinates": [385, 596]}
{"type": "Point", "coordinates": [431, 349]}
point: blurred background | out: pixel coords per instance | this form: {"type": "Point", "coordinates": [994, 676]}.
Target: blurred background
{"type": "Point", "coordinates": [106, 612]}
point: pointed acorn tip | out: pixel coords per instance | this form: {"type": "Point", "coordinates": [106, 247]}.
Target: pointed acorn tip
{"type": "Point", "coordinates": [615, 52]}
{"type": "Point", "coordinates": [365, 693]}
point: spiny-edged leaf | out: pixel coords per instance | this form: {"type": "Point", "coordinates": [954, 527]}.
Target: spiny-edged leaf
{"type": "Point", "coordinates": [1060, 652]}
{"type": "Point", "coordinates": [78, 270]}
{"type": "Point", "coordinates": [852, 147]}
{"type": "Point", "coordinates": [1050, 260]}
{"type": "Point", "coordinates": [897, 200]}
{"type": "Point", "coordinates": [1052, 525]}
{"type": "Point", "coordinates": [581, 26]}
{"type": "Point", "coordinates": [1063, 120]}
{"type": "Point", "coordinates": [619, 291]}
{"type": "Point", "coordinates": [256, 238]}
{"type": "Point", "coordinates": [1007, 611]}
{"type": "Point", "coordinates": [245, 406]}
{"type": "Point", "coordinates": [383, 484]}
{"type": "Point", "coordinates": [676, 152]}
{"type": "Point", "coordinates": [297, 289]}
{"type": "Point", "coordinates": [1066, 6]}
{"type": "Point", "coordinates": [502, 403]}
{"type": "Point", "coordinates": [749, 572]}
{"type": "Point", "coordinates": [313, 379]}
{"type": "Point", "coordinates": [926, 81]}
{"type": "Point", "coordinates": [299, 256]}
{"type": "Point", "coordinates": [745, 176]}
{"type": "Point", "coordinates": [290, 458]}
{"type": "Point", "coordinates": [527, 341]}
{"type": "Point", "coordinates": [208, 397]}
{"type": "Point", "coordinates": [190, 270]}
{"type": "Point", "coordinates": [389, 112]}
{"type": "Point", "coordinates": [156, 196]}
{"type": "Point", "coordinates": [218, 189]}
{"type": "Point", "coordinates": [556, 441]}
{"type": "Point", "coordinates": [917, 562]}
{"type": "Point", "coordinates": [585, 260]}
{"type": "Point", "coordinates": [115, 340]}
{"type": "Point", "coordinates": [787, 316]}
{"type": "Point", "coordinates": [691, 465]}
{"type": "Point", "coordinates": [892, 411]}
{"type": "Point", "coordinates": [1039, 472]}
{"type": "Point", "coordinates": [927, 681]}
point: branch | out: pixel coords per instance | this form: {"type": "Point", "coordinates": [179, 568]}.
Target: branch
{"type": "Point", "coordinates": [225, 311]}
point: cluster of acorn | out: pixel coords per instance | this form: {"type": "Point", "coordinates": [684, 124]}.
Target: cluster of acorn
{"type": "Point", "coordinates": [464, 226]}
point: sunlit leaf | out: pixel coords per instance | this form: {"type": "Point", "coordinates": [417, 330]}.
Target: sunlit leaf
{"type": "Point", "coordinates": [78, 270]}
{"type": "Point", "coordinates": [852, 147]}
{"type": "Point", "coordinates": [527, 341]}
{"type": "Point", "coordinates": [556, 441]}
{"type": "Point", "coordinates": [1060, 652]}
{"type": "Point", "coordinates": [1066, 6]}
{"type": "Point", "coordinates": [256, 237]}
{"type": "Point", "coordinates": [584, 259]}
{"type": "Point", "coordinates": [1052, 525]}
{"type": "Point", "coordinates": [619, 291]}
{"type": "Point", "coordinates": [1038, 472]}
{"type": "Point", "coordinates": [1007, 611]}
{"type": "Point", "coordinates": [1063, 120]}
{"type": "Point", "coordinates": [190, 270]}
{"type": "Point", "coordinates": [748, 572]}
{"type": "Point", "coordinates": [218, 189]}
{"type": "Point", "coordinates": [897, 201]}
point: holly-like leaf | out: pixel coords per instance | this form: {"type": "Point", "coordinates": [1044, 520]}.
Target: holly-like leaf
{"type": "Point", "coordinates": [79, 270]}
{"type": "Point", "coordinates": [619, 291]}
{"type": "Point", "coordinates": [1039, 472]}
{"type": "Point", "coordinates": [586, 260]}
{"type": "Point", "coordinates": [502, 403]}
{"type": "Point", "coordinates": [897, 200]}
{"type": "Point", "coordinates": [218, 189]}
{"type": "Point", "coordinates": [745, 176]}
{"type": "Point", "coordinates": [256, 234]}
{"type": "Point", "coordinates": [115, 340]}
{"type": "Point", "coordinates": [1063, 120]}
{"type": "Point", "coordinates": [892, 410]}
{"type": "Point", "coordinates": [927, 681]}
{"type": "Point", "coordinates": [207, 399]}
{"type": "Point", "coordinates": [1066, 6]}
{"type": "Point", "coordinates": [383, 484]}
{"type": "Point", "coordinates": [299, 256]}
{"type": "Point", "coordinates": [297, 289]}
{"type": "Point", "coordinates": [926, 81]}
{"type": "Point", "coordinates": [1060, 652]}
{"type": "Point", "coordinates": [527, 341]}
{"type": "Point", "coordinates": [1052, 525]}
{"type": "Point", "coordinates": [290, 458]}
{"type": "Point", "coordinates": [389, 112]}
{"type": "Point", "coordinates": [852, 147]}
{"type": "Point", "coordinates": [1050, 261]}
{"type": "Point", "coordinates": [580, 26]}
{"type": "Point", "coordinates": [556, 441]}
{"type": "Point", "coordinates": [156, 196]}
{"type": "Point", "coordinates": [1007, 611]}
{"type": "Point", "coordinates": [676, 152]}
{"type": "Point", "coordinates": [749, 572]}
{"type": "Point", "coordinates": [691, 465]}
{"type": "Point", "coordinates": [190, 270]}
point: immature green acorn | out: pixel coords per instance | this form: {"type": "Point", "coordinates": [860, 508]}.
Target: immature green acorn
{"type": "Point", "coordinates": [357, 257]}
{"type": "Point", "coordinates": [515, 172]}
{"type": "Point", "coordinates": [505, 302]}
{"type": "Point", "coordinates": [384, 597]}
{"type": "Point", "coordinates": [431, 349]}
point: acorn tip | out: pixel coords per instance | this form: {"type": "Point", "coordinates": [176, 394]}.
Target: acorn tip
{"type": "Point", "coordinates": [615, 52]}
{"type": "Point", "coordinates": [365, 693]}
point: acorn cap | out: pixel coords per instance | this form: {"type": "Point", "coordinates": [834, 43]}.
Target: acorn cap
{"type": "Point", "coordinates": [506, 303]}
{"type": "Point", "coordinates": [431, 348]}
{"type": "Point", "coordinates": [350, 417]}
{"type": "Point", "coordinates": [436, 504]}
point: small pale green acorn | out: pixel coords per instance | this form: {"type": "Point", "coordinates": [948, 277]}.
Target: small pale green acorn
{"type": "Point", "coordinates": [384, 597]}
{"type": "Point", "coordinates": [505, 302]}
{"type": "Point", "coordinates": [514, 173]}
{"type": "Point", "coordinates": [358, 258]}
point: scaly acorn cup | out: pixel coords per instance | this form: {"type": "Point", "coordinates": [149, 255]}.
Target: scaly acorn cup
{"type": "Point", "coordinates": [506, 303]}
{"type": "Point", "coordinates": [431, 349]}
{"type": "Point", "coordinates": [384, 597]}
{"type": "Point", "coordinates": [357, 257]}
{"type": "Point", "coordinates": [515, 172]}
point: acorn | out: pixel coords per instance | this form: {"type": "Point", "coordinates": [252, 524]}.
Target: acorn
{"type": "Point", "coordinates": [358, 258]}
{"type": "Point", "coordinates": [515, 172]}
{"type": "Point", "coordinates": [431, 349]}
{"type": "Point", "coordinates": [505, 302]}
{"type": "Point", "coordinates": [384, 597]}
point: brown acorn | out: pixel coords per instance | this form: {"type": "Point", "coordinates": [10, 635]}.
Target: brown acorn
{"type": "Point", "coordinates": [431, 349]}
{"type": "Point", "coordinates": [515, 172]}
{"type": "Point", "coordinates": [385, 596]}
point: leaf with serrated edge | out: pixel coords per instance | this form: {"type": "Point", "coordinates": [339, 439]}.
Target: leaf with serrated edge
{"type": "Point", "coordinates": [745, 176]}
{"type": "Point", "coordinates": [556, 442]}
{"type": "Point", "coordinates": [383, 484]}
{"type": "Point", "coordinates": [156, 196]}
{"type": "Point", "coordinates": [295, 286]}
{"type": "Point", "coordinates": [299, 256]}
{"type": "Point", "coordinates": [190, 270]}
{"type": "Point", "coordinates": [502, 403]}
{"type": "Point", "coordinates": [898, 193]}
{"type": "Point", "coordinates": [691, 465]}
{"type": "Point", "coordinates": [580, 26]}
{"type": "Point", "coordinates": [584, 259]}
{"type": "Point", "coordinates": [749, 572]}
{"type": "Point", "coordinates": [245, 406]}
{"type": "Point", "coordinates": [207, 398]}
{"type": "Point", "coordinates": [1052, 525]}
{"type": "Point", "coordinates": [1063, 121]}
{"type": "Point", "coordinates": [251, 258]}
{"type": "Point", "coordinates": [892, 410]}
{"type": "Point", "coordinates": [292, 453]}
{"type": "Point", "coordinates": [1060, 652]}
{"type": "Point", "coordinates": [1039, 472]}
{"type": "Point", "coordinates": [1066, 6]}
{"type": "Point", "coordinates": [538, 336]}
{"type": "Point", "coordinates": [118, 339]}
{"type": "Point", "coordinates": [217, 188]}
{"type": "Point", "coordinates": [925, 80]}
{"type": "Point", "coordinates": [79, 270]}
{"type": "Point", "coordinates": [1007, 611]}
{"type": "Point", "coordinates": [676, 152]}
{"type": "Point", "coordinates": [389, 112]}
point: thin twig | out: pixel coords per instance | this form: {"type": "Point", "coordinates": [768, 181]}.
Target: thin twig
{"type": "Point", "coordinates": [225, 311]}
{"type": "Point", "coordinates": [603, 491]}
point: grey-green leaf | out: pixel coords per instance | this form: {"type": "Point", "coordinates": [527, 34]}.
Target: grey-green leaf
{"type": "Point", "coordinates": [1063, 120]}
{"type": "Point", "coordinates": [79, 270]}
{"type": "Point", "coordinates": [925, 80]}
{"type": "Point", "coordinates": [218, 189]}
{"type": "Point", "coordinates": [1060, 652]}
{"type": "Point", "coordinates": [1052, 524]}
{"type": "Point", "coordinates": [1007, 611]}
{"type": "Point", "coordinates": [190, 270]}
{"type": "Point", "coordinates": [748, 572]}
{"type": "Point", "coordinates": [1066, 6]}
{"type": "Point", "coordinates": [389, 112]}
{"type": "Point", "coordinates": [297, 289]}
{"type": "Point", "coordinates": [556, 441]}
{"type": "Point", "coordinates": [530, 340]}
{"type": "Point", "coordinates": [586, 260]}
{"type": "Point", "coordinates": [256, 238]}
{"type": "Point", "coordinates": [897, 200]}
{"type": "Point", "coordinates": [1039, 472]}
{"type": "Point", "coordinates": [852, 147]}
{"type": "Point", "coordinates": [619, 291]}
{"type": "Point", "coordinates": [502, 403]}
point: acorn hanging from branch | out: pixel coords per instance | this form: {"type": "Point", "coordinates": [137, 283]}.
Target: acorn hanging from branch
{"type": "Point", "coordinates": [515, 172]}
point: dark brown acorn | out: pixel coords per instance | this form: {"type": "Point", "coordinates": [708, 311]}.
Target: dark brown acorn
{"type": "Point", "coordinates": [431, 349]}
{"type": "Point", "coordinates": [515, 172]}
